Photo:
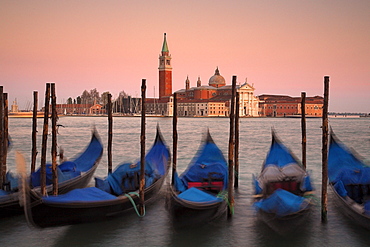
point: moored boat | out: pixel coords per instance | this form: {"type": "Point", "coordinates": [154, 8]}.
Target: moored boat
{"type": "Point", "coordinates": [72, 174]}
{"type": "Point", "coordinates": [283, 190]}
{"type": "Point", "coordinates": [349, 179]}
{"type": "Point", "coordinates": [111, 197]}
{"type": "Point", "coordinates": [199, 194]}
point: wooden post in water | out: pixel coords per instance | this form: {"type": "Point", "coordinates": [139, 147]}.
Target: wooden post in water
{"type": "Point", "coordinates": [2, 165]}
{"type": "Point", "coordinates": [54, 139]}
{"type": "Point", "coordinates": [303, 126]}
{"type": "Point", "coordinates": [142, 146]}
{"type": "Point", "coordinates": [6, 184]}
{"type": "Point", "coordinates": [236, 151]}
{"type": "Point", "coordinates": [325, 130]}
{"type": "Point", "coordinates": [44, 140]}
{"type": "Point", "coordinates": [231, 150]}
{"type": "Point", "coordinates": [110, 133]}
{"type": "Point", "coordinates": [34, 131]}
{"type": "Point", "coordinates": [174, 138]}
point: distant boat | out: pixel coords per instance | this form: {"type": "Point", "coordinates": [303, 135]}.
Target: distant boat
{"type": "Point", "coordinates": [28, 114]}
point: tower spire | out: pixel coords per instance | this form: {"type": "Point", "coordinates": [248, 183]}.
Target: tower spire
{"type": "Point", "coordinates": [165, 50]}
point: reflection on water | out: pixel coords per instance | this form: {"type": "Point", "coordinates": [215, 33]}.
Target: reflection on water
{"type": "Point", "coordinates": [155, 229]}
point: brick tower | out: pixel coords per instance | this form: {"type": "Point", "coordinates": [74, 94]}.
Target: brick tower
{"type": "Point", "coordinates": [165, 71]}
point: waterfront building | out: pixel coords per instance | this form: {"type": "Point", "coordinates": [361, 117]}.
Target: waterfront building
{"type": "Point", "coordinates": [203, 100]}
{"type": "Point", "coordinates": [287, 106]}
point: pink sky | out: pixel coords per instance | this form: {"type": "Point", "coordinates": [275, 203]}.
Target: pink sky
{"type": "Point", "coordinates": [282, 47]}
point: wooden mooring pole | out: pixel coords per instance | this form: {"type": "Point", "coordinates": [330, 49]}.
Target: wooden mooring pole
{"type": "Point", "coordinates": [6, 184]}
{"type": "Point", "coordinates": [325, 130]}
{"type": "Point", "coordinates": [174, 138]}
{"type": "Point", "coordinates": [54, 138]}
{"type": "Point", "coordinates": [231, 150]}
{"type": "Point", "coordinates": [44, 140]}
{"type": "Point", "coordinates": [142, 146]}
{"type": "Point", "coordinates": [236, 151]}
{"type": "Point", "coordinates": [34, 131]}
{"type": "Point", "coordinates": [110, 133]}
{"type": "Point", "coordinates": [2, 137]}
{"type": "Point", "coordinates": [303, 126]}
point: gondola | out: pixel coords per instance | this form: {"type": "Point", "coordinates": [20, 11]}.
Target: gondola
{"type": "Point", "coordinates": [109, 198]}
{"type": "Point", "coordinates": [72, 174]}
{"type": "Point", "coordinates": [283, 191]}
{"type": "Point", "coordinates": [199, 194]}
{"type": "Point", "coordinates": [349, 179]}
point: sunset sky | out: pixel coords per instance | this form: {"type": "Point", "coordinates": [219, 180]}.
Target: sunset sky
{"type": "Point", "coordinates": [282, 47]}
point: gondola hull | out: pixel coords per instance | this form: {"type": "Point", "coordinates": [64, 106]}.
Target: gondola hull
{"type": "Point", "coordinates": [101, 202]}
{"type": "Point", "coordinates": [286, 224]}
{"type": "Point", "coordinates": [52, 215]}
{"type": "Point", "coordinates": [185, 212]}
{"type": "Point", "coordinates": [349, 209]}
{"type": "Point", "coordinates": [9, 204]}
{"type": "Point", "coordinates": [283, 190]}
{"type": "Point", "coordinates": [349, 179]}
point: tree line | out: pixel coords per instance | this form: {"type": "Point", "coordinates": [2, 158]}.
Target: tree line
{"type": "Point", "coordinates": [94, 97]}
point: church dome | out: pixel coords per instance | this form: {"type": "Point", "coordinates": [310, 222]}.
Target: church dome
{"type": "Point", "coordinates": [217, 80]}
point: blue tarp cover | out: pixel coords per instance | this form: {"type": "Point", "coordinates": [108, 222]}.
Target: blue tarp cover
{"type": "Point", "coordinates": [279, 155]}
{"type": "Point", "coordinates": [281, 203]}
{"type": "Point", "coordinates": [353, 176]}
{"type": "Point", "coordinates": [195, 195]}
{"type": "Point", "coordinates": [208, 162]}
{"type": "Point", "coordinates": [89, 194]}
{"type": "Point", "coordinates": [340, 157]}
{"type": "Point", "coordinates": [64, 173]}
{"type": "Point", "coordinates": [126, 176]}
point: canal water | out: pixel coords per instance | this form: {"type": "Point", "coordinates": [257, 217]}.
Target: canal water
{"type": "Point", "coordinates": [155, 229]}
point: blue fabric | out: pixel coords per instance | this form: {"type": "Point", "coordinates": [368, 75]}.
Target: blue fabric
{"type": "Point", "coordinates": [281, 203]}
{"type": "Point", "coordinates": [179, 185]}
{"type": "Point", "coordinates": [103, 184]}
{"type": "Point", "coordinates": [359, 175]}
{"type": "Point", "coordinates": [209, 162]}
{"type": "Point", "coordinates": [195, 195]}
{"type": "Point", "coordinates": [89, 194]}
{"type": "Point", "coordinates": [126, 176]}
{"type": "Point", "coordinates": [62, 176]}
{"type": "Point", "coordinates": [307, 183]}
{"type": "Point", "coordinates": [70, 169]}
{"type": "Point", "coordinates": [340, 157]}
{"type": "Point", "coordinates": [88, 158]}
{"type": "Point", "coordinates": [13, 180]}
{"type": "Point", "coordinates": [3, 193]}
{"type": "Point", "coordinates": [279, 155]}
{"type": "Point", "coordinates": [339, 187]}
{"type": "Point", "coordinates": [256, 185]}
{"type": "Point", "coordinates": [367, 207]}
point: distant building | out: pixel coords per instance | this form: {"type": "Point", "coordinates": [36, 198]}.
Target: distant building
{"type": "Point", "coordinates": [283, 106]}
{"type": "Point", "coordinates": [211, 100]}
{"type": "Point", "coordinates": [79, 109]}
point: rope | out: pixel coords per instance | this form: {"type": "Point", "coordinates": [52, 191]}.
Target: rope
{"type": "Point", "coordinates": [224, 196]}
{"type": "Point", "coordinates": [133, 203]}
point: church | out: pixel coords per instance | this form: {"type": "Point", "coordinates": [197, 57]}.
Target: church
{"type": "Point", "coordinates": [212, 100]}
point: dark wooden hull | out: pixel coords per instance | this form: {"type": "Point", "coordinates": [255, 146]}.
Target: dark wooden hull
{"type": "Point", "coordinates": [353, 215]}
{"type": "Point", "coordinates": [287, 224]}
{"type": "Point", "coordinates": [9, 204]}
{"type": "Point", "coordinates": [58, 214]}
{"type": "Point", "coordinates": [185, 213]}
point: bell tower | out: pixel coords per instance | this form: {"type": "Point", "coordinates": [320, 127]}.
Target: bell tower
{"type": "Point", "coordinates": [165, 71]}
